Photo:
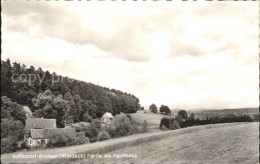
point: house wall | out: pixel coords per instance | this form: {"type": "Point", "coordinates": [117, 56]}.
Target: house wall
{"type": "Point", "coordinates": [107, 120]}
{"type": "Point", "coordinates": [36, 142]}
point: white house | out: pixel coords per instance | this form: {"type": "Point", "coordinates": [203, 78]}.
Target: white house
{"type": "Point", "coordinates": [107, 118]}
{"type": "Point", "coordinates": [28, 112]}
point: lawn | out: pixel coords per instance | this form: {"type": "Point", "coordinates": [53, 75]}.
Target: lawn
{"type": "Point", "coordinates": [225, 144]}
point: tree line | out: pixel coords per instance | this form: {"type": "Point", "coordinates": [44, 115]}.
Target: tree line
{"type": "Point", "coordinates": [23, 90]}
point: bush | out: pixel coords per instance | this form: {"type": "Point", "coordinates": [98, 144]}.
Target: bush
{"type": "Point", "coordinates": [183, 114]}
{"type": "Point", "coordinates": [165, 109]}
{"type": "Point", "coordinates": [121, 126]}
{"type": "Point", "coordinates": [169, 123]}
{"type": "Point", "coordinates": [145, 127]}
{"type": "Point", "coordinates": [153, 108]}
{"type": "Point", "coordinates": [61, 137]}
{"type": "Point", "coordinates": [164, 122]}
{"type": "Point", "coordinates": [87, 118]}
{"type": "Point", "coordinates": [81, 139]}
{"type": "Point", "coordinates": [93, 130]}
{"type": "Point", "coordinates": [9, 145]}
{"type": "Point", "coordinates": [103, 136]}
{"type": "Point", "coordinates": [175, 125]}
{"type": "Point", "coordinates": [180, 120]}
{"type": "Point", "coordinates": [163, 128]}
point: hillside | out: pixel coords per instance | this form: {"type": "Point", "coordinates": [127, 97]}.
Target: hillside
{"type": "Point", "coordinates": [235, 110]}
{"type": "Point", "coordinates": [226, 144]}
{"type": "Point", "coordinates": [23, 84]}
{"type": "Point", "coordinates": [194, 143]}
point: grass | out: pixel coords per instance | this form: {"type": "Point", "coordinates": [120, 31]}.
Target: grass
{"type": "Point", "coordinates": [153, 119]}
{"type": "Point", "coordinates": [237, 143]}
{"type": "Point", "coordinates": [136, 141]}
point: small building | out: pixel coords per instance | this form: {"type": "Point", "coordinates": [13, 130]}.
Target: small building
{"type": "Point", "coordinates": [40, 137]}
{"type": "Point", "coordinates": [33, 131]}
{"type": "Point", "coordinates": [28, 112]}
{"type": "Point", "coordinates": [107, 118]}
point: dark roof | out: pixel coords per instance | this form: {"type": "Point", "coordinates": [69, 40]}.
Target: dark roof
{"type": "Point", "coordinates": [39, 123]}
{"type": "Point", "coordinates": [48, 133]}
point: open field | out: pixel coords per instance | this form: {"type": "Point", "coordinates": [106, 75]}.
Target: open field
{"type": "Point", "coordinates": [226, 144]}
{"type": "Point", "coordinates": [247, 134]}
{"type": "Point", "coordinates": [153, 119]}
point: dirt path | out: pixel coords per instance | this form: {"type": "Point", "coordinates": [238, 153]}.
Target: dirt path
{"type": "Point", "coordinates": [231, 144]}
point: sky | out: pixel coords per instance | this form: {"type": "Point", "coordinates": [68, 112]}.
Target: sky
{"type": "Point", "coordinates": [182, 54]}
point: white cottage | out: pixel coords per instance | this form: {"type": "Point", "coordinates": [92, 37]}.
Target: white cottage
{"type": "Point", "coordinates": [27, 111]}
{"type": "Point", "coordinates": [107, 118]}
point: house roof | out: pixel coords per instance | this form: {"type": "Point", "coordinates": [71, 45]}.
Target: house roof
{"type": "Point", "coordinates": [107, 115]}
{"type": "Point", "coordinates": [26, 109]}
{"type": "Point", "coordinates": [39, 123]}
{"type": "Point", "coordinates": [48, 133]}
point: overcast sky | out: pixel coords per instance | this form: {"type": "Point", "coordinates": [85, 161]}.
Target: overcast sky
{"type": "Point", "coordinates": [181, 54]}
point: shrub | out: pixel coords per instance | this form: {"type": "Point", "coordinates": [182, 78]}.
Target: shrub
{"type": "Point", "coordinates": [145, 126]}
{"type": "Point", "coordinates": [121, 126]}
{"type": "Point", "coordinates": [192, 116]}
{"type": "Point", "coordinates": [163, 128]}
{"type": "Point", "coordinates": [153, 108]}
{"type": "Point", "coordinates": [87, 118]}
{"type": "Point", "coordinates": [183, 114]}
{"type": "Point", "coordinates": [165, 109]}
{"type": "Point", "coordinates": [8, 145]}
{"type": "Point", "coordinates": [180, 120]}
{"type": "Point", "coordinates": [24, 145]}
{"type": "Point", "coordinates": [175, 125]}
{"type": "Point", "coordinates": [103, 136]}
{"type": "Point", "coordinates": [60, 137]}
{"type": "Point", "coordinates": [164, 122]}
{"type": "Point", "coordinates": [93, 130]}
{"type": "Point", "coordinates": [81, 139]}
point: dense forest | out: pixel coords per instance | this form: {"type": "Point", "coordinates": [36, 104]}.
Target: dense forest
{"type": "Point", "coordinates": [50, 95]}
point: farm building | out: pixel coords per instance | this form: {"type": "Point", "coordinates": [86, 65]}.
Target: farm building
{"type": "Point", "coordinates": [33, 127]}
{"type": "Point", "coordinates": [28, 112]}
{"type": "Point", "coordinates": [107, 118]}
{"type": "Point", "coordinates": [41, 137]}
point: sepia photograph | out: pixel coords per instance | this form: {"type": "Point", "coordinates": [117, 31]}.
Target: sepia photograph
{"type": "Point", "coordinates": [133, 82]}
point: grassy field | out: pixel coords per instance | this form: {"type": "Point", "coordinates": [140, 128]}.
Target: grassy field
{"type": "Point", "coordinates": [153, 119]}
{"type": "Point", "coordinates": [227, 144]}
{"type": "Point", "coordinates": [180, 143]}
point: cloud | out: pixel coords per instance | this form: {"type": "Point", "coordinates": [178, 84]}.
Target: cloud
{"type": "Point", "coordinates": [185, 55]}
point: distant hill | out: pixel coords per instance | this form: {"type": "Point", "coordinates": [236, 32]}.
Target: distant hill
{"type": "Point", "coordinates": [237, 110]}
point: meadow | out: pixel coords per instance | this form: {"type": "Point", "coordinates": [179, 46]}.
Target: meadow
{"type": "Point", "coordinates": [237, 143]}
{"type": "Point", "coordinates": [145, 143]}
